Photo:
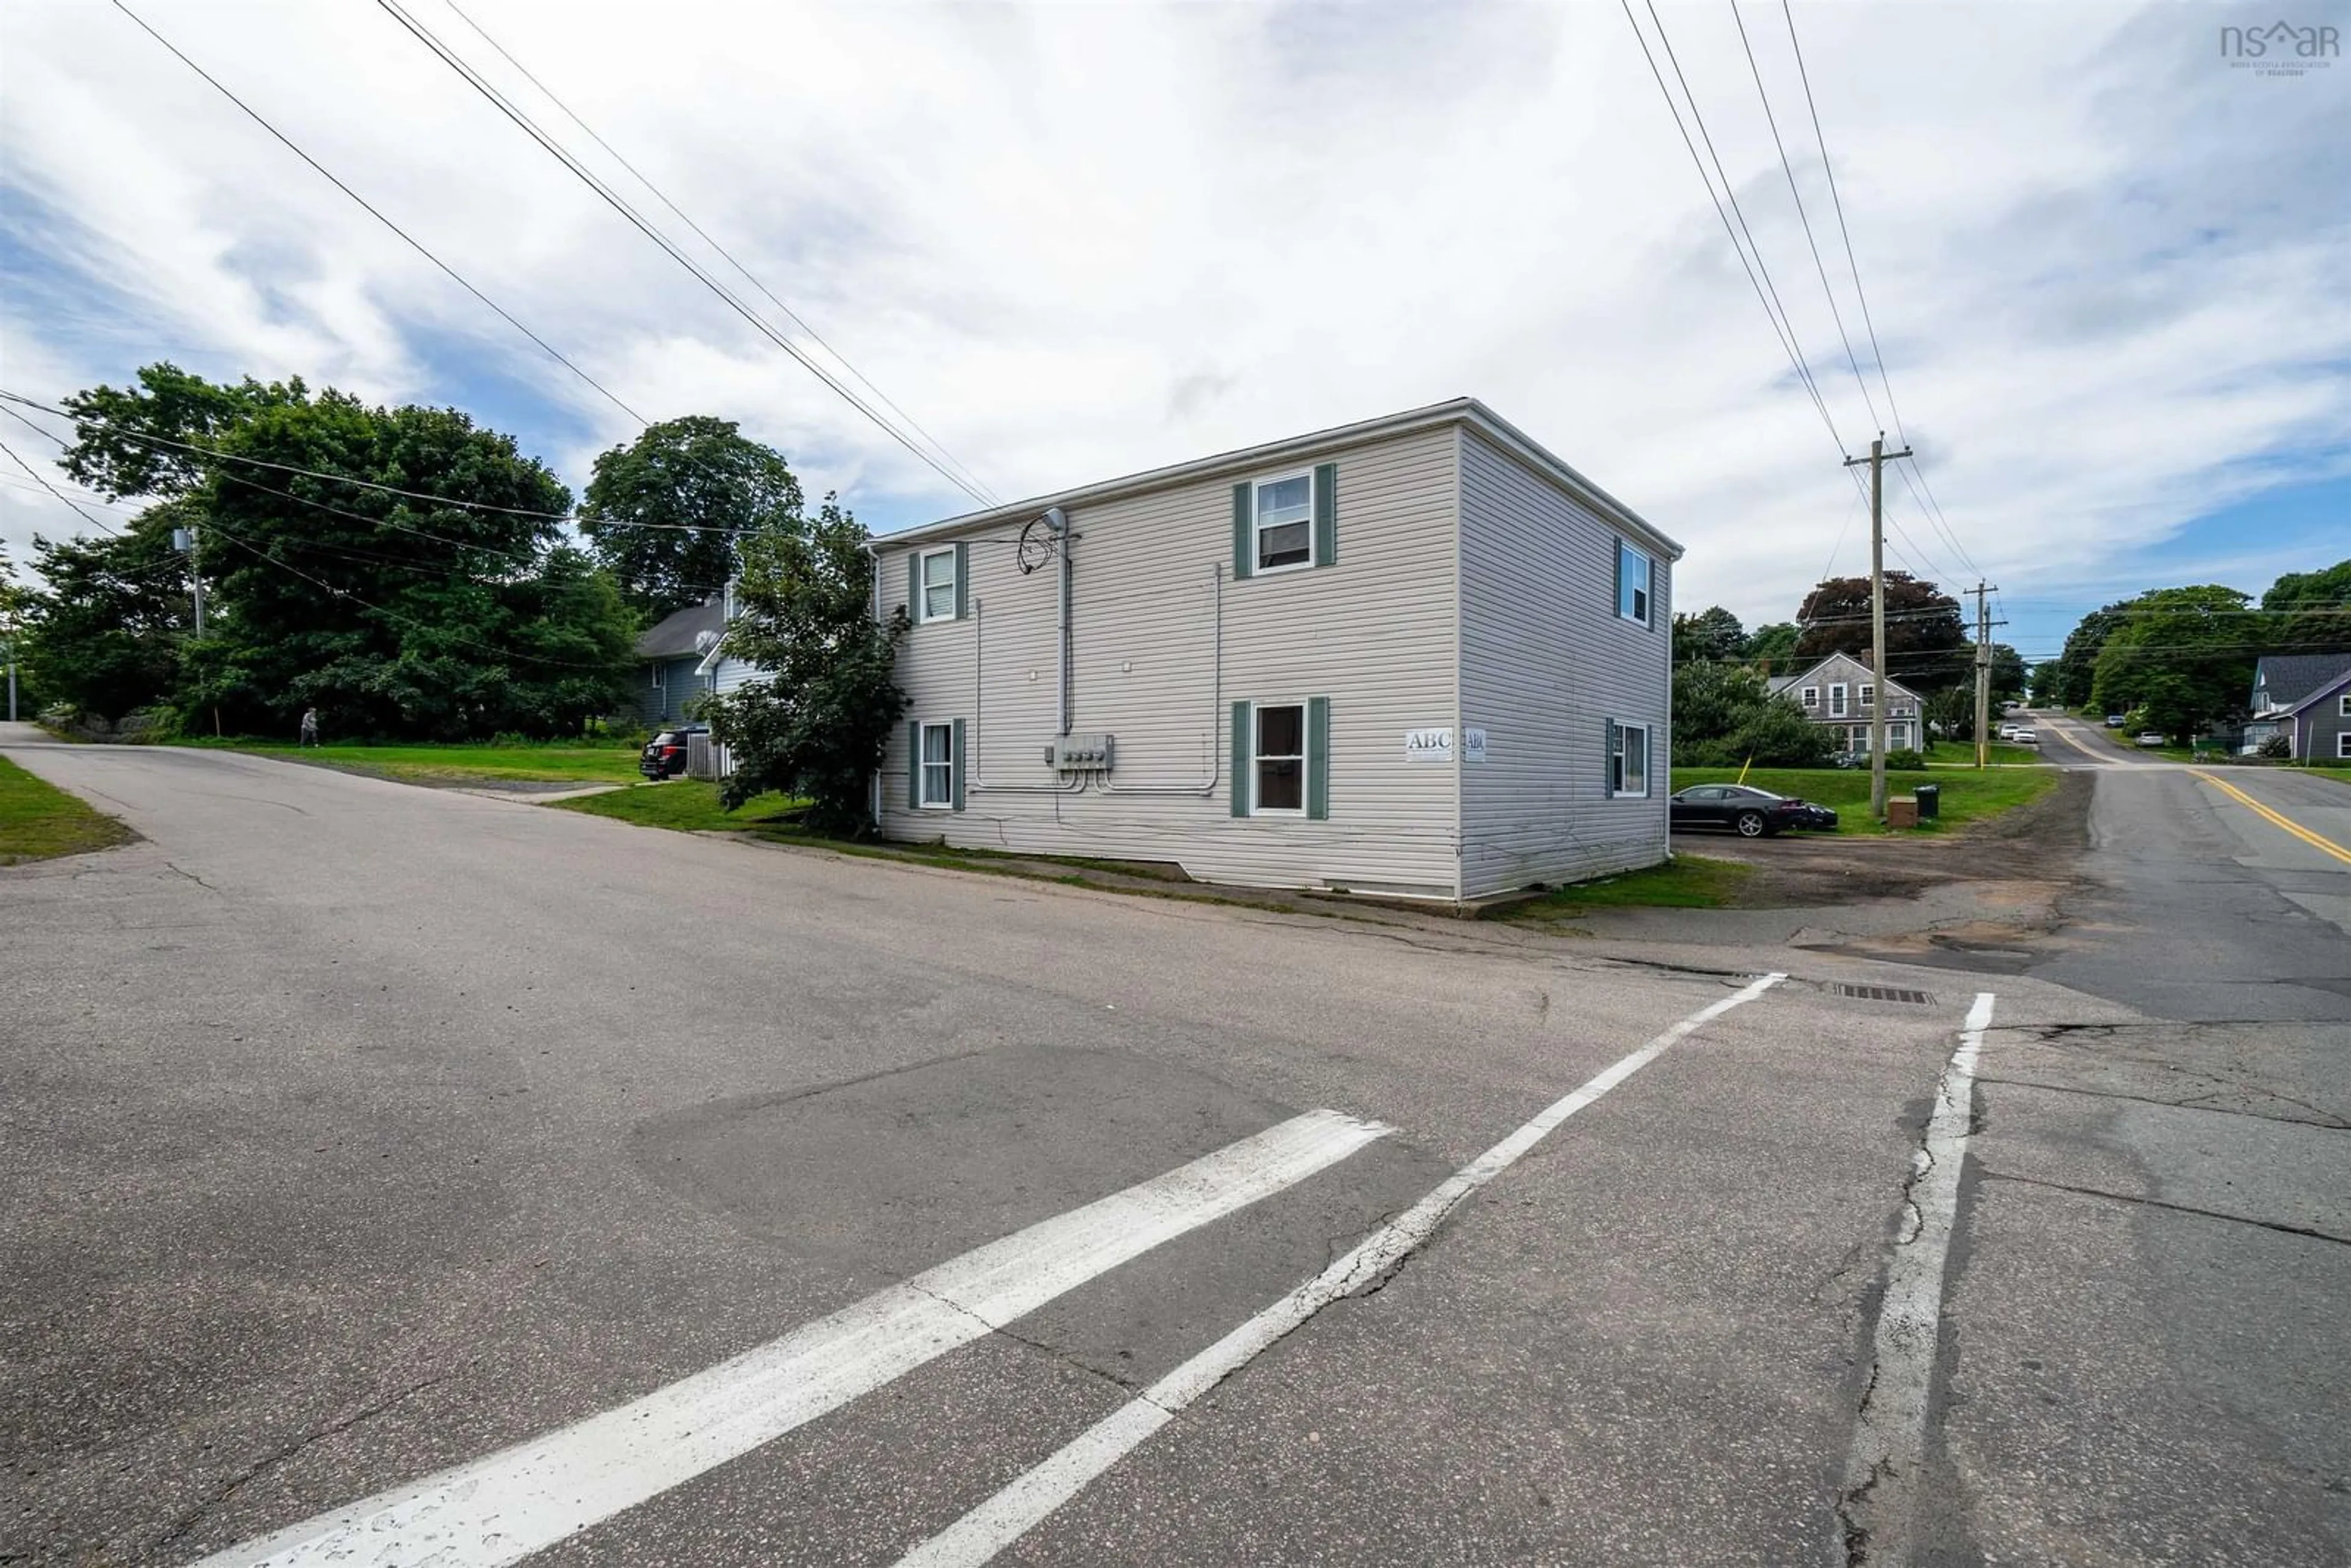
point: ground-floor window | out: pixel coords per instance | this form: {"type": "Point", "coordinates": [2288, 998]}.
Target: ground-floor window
{"type": "Point", "coordinates": [1628, 759]}
{"type": "Point", "coordinates": [1280, 757]}
{"type": "Point", "coordinates": [2343, 746]}
{"type": "Point", "coordinates": [938, 766]}
{"type": "Point", "coordinates": [1898, 737]}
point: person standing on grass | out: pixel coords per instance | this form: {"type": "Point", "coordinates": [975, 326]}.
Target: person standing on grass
{"type": "Point", "coordinates": [309, 727]}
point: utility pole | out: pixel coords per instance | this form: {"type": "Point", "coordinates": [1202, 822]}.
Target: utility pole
{"type": "Point", "coordinates": [1984, 672]}
{"type": "Point", "coordinates": [1876, 461]}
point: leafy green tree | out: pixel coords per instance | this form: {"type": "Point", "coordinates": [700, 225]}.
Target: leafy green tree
{"type": "Point", "coordinates": [665, 512]}
{"type": "Point", "coordinates": [2182, 656]}
{"type": "Point", "coordinates": [1725, 714]}
{"type": "Point", "coordinates": [2009, 676]}
{"type": "Point", "coordinates": [456, 617]}
{"type": "Point", "coordinates": [1926, 641]}
{"type": "Point", "coordinates": [143, 440]}
{"type": "Point", "coordinates": [106, 633]}
{"type": "Point", "coordinates": [2045, 684]}
{"type": "Point", "coordinates": [1712, 633]}
{"type": "Point", "coordinates": [818, 722]}
{"type": "Point", "coordinates": [2314, 610]}
{"type": "Point", "coordinates": [15, 605]}
{"type": "Point", "coordinates": [1772, 648]}
{"type": "Point", "coordinates": [2076, 665]}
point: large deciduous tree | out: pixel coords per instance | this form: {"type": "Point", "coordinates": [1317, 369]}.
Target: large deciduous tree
{"type": "Point", "coordinates": [1713, 633]}
{"type": "Point", "coordinates": [817, 724]}
{"type": "Point", "coordinates": [455, 612]}
{"type": "Point", "coordinates": [2312, 611]}
{"type": "Point", "coordinates": [1772, 648]}
{"type": "Point", "coordinates": [104, 633]}
{"type": "Point", "coordinates": [1926, 641]}
{"type": "Point", "coordinates": [665, 513]}
{"type": "Point", "coordinates": [1725, 714]}
{"type": "Point", "coordinates": [2183, 657]}
{"type": "Point", "coordinates": [2076, 666]}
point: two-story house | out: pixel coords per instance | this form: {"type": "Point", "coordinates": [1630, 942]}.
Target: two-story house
{"type": "Point", "coordinates": [2306, 697]}
{"type": "Point", "coordinates": [1841, 692]}
{"type": "Point", "coordinates": [1418, 656]}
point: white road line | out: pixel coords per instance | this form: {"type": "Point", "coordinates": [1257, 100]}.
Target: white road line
{"type": "Point", "coordinates": [1889, 1439]}
{"type": "Point", "coordinates": [512, 1503]}
{"type": "Point", "coordinates": [1024, 1504]}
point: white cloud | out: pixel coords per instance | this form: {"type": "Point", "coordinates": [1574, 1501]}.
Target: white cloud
{"type": "Point", "coordinates": [2109, 273]}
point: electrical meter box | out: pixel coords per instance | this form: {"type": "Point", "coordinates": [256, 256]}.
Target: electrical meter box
{"type": "Point", "coordinates": [1080, 754]}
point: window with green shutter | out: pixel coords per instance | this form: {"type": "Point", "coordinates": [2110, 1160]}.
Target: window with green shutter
{"type": "Point", "coordinates": [1282, 759]}
{"type": "Point", "coordinates": [1288, 522]}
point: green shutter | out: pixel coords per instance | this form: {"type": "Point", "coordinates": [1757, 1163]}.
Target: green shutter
{"type": "Point", "coordinates": [956, 776]}
{"type": "Point", "coordinates": [1318, 758]}
{"type": "Point", "coordinates": [963, 602]}
{"type": "Point", "coordinates": [913, 766]}
{"type": "Point", "coordinates": [1618, 607]}
{"type": "Point", "coordinates": [1244, 551]}
{"type": "Point", "coordinates": [1608, 757]}
{"type": "Point", "coordinates": [1240, 760]}
{"type": "Point", "coordinates": [1326, 515]}
{"type": "Point", "coordinates": [915, 585]}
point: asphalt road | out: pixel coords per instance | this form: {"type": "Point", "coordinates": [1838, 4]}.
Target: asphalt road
{"type": "Point", "coordinates": [355, 1134]}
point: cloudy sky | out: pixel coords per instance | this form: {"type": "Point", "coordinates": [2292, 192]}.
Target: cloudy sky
{"type": "Point", "coordinates": [2110, 273]}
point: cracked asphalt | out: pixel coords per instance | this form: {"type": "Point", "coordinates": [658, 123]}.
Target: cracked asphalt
{"type": "Point", "coordinates": [354, 1131]}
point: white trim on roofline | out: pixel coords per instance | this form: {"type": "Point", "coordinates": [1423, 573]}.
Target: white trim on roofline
{"type": "Point", "coordinates": [1462, 411]}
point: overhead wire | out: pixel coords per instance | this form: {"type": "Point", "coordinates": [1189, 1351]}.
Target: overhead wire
{"type": "Point", "coordinates": [555, 149]}
{"type": "Point", "coordinates": [659, 194]}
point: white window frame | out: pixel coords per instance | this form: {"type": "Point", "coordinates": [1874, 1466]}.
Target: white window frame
{"type": "Point", "coordinates": [946, 802]}
{"type": "Point", "coordinates": [2343, 745]}
{"type": "Point", "coordinates": [1867, 696]}
{"type": "Point", "coordinates": [923, 584]}
{"type": "Point", "coordinates": [1257, 527]}
{"type": "Point", "coordinates": [1647, 592]}
{"type": "Point", "coordinates": [1898, 736]}
{"type": "Point", "coordinates": [1617, 757]}
{"type": "Point", "coordinates": [1258, 757]}
{"type": "Point", "coordinates": [2342, 705]}
{"type": "Point", "coordinates": [1838, 706]}
{"type": "Point", "coordinates": [1811, 696]}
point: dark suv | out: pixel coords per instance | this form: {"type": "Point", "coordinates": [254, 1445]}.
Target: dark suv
{"type": "Point", "coordinates": [665, 755]}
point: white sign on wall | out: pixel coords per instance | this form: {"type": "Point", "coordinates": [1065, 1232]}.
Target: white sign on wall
{"type": "Point", "coordinates": [1473, 745]}
{"type": "Point", "coordinates": [1428, 745]}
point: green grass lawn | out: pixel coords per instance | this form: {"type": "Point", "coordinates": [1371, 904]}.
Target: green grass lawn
{"type": "Point", "coordinates": [689, 806]}
{"type": "Point", "coordinates": [528, 762]}
{"type": "Point", "coordinates": [39, 821]}
{"type": "Point", "coordinates": [1686, 881]}
{"type": "Point", "coordinates": [1968, 795]}
{"type": "Point", "coordinates": [1960, 754]}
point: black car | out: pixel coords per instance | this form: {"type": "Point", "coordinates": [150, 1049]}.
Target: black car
{"type": "Point", "coordinates": [665, 755]}
{"type": "Point", "coordinates": [1750, 813]}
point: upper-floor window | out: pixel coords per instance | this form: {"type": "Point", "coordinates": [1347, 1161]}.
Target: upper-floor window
{"type": "Point", "coordinates": [1868, 694]}
{"type": "Point", "coordinates": [938, 585]}
{"type": "Point", "coordinates": [1837, 699]}
{"type": "Point", "coordinates": [1811, 696]}
{"type": "Point", "coordinates": [1284, 522]}
{"type": "Point", "coordinates": [1632, 583]}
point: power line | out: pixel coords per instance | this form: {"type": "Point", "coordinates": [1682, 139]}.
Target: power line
{"type": "Point", "coordinates": [1789, 169]}
{"type": "Point", "coordinates": [790, 314]}
{"type": "Point", "coordinates": [611, 198]}
{"type": "Point", "coordinates": [1934, 508]}
{"type": "Point", "coordinates": [37, 478]}
{"type": "Point", "coordinates": [414, 242]}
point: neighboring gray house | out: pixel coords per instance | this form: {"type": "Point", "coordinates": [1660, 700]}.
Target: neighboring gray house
{"type": "Point", "coordinates": [680, 657]}
{"type": "Point", "coordinates": [2306, 697]}
{"type": "Point", "coordinates": [1840, 692]}
{"type": "Point", "coordinates": [1418, 656]}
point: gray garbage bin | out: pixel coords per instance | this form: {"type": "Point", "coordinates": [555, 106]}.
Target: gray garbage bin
{"type": "Point", "coordinates": [1930, 800]}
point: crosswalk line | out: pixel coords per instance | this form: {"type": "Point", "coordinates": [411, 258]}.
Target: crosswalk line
{"type": "Point", "coordinates": [1032, 1497]}
{"type": "Point", "coordinates": [524, 1499]}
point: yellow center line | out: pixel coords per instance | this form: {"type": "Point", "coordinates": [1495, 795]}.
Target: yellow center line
{"type": "Point", "coordinates": [2314, 841]}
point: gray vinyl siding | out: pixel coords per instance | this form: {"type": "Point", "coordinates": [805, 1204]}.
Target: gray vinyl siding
{"type": "Point", "coordinates": [2322, 724]}
{"type": "Point", "coordinates": [665, 704]}
{"type": "Point", "coordinates": [1374, 633]}
{"type": "Point", "coordinates": [1545, 665]}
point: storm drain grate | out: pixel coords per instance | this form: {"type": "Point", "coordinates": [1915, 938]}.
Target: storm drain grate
{"type": "Point", "coordinates": [1883, 994]}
